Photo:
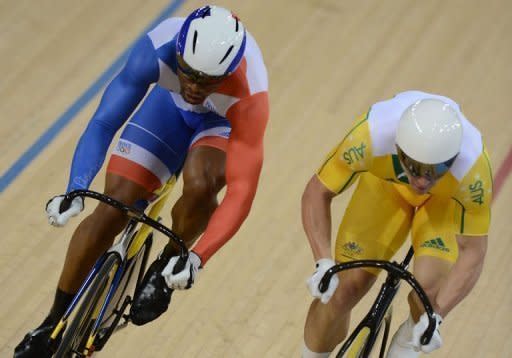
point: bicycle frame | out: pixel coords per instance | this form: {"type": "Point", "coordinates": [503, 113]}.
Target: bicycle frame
{"type": "Point", "coordinates": [126, 248]}
{"type": "Point", "coordinates": [373, 320]}
{"type": "Point", "coordinates": [154, 212]}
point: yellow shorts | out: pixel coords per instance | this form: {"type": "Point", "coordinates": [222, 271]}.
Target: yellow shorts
{"type": "Point", "coordinates": [381, 214]}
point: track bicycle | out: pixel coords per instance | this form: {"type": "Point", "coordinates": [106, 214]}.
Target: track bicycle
{"type": "Point", "coordinates": [362, 340]}
{"type": "Point", "coordinates": [98, 309]}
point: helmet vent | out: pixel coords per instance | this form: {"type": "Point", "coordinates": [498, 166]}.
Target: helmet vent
{"type": "Point", "coordinates": [194, 42]}
{"type": "Point", "coordinates": [227, 54]}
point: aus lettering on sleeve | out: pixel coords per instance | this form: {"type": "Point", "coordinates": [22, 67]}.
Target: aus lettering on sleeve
{"type": "Point", "coordinates": [354, 154]}
{"type": "Point", "coordinates": [477, 192]}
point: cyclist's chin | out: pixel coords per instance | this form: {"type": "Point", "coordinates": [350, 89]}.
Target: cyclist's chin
{"type": "Point", "coordinates": [421, 189]}
{"type": "Point", "coordinates": [421, 185]}
{"type": "Point", "coordinates": [193, 98]}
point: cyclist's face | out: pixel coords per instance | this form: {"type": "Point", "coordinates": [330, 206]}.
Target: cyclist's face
{"type": "Point", "coordinates": [420, 184]}
{"type": "Point", "coordinates": [196, 86]}
{"type": "Point", "coordinates": [422, 177]}
{"type": "Point", "coordinates": [420, 181]}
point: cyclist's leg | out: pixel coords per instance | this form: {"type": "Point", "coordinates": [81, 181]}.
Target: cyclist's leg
{"type": "Point", "coordinates": [435, 248]}
{"type": "Point", "coordinates": [203, 178]}
{"type": "Point", "coordinates": [128, 180]}
{"type": "Point", "coordinates": [91, 238]}
{"type": "Point", "coordinates": [134, 171]}
{"type": "Point", "coordinates": [374, 226]}
{"type": "Point", "coordinates": [96, 233]}
{"type": "Point", "coordinates": [327, 324]}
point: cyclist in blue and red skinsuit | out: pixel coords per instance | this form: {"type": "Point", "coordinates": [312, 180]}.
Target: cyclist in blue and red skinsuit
{"type": "Point", "coordinates": [206, 115]}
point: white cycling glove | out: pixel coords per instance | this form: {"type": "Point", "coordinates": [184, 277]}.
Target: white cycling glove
{"type": "Point", "coordinates": [420, 327]}
{"type": "Point", "coordinates": [58, 218]}
{"type": "Point", "coordinates": [322, 266]}
{"type": "Point", "coordinates": [185, 278]}
{"type": "Point", "coordinates": [406, 342]}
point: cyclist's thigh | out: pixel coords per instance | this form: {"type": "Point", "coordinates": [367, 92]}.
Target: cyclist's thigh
{"type": "Point", "coordinates": [154, 143]}
{"type": "Point", "coordinates": [376, 222]}
{"type": "Point", "coordinates": [206, 159]}
{"type": "Point", "coordinates": [204, 169]}
{"type": "Point", "coordinates": [205, 163]}
{"type": "Point", "coordinates": [434, 241]}
{"type": "Point", "coordinates": [354, 284]}
{"type": "Point", "coordinates": [125, 190]}
{"type": "Point", "coordinates": [212, 131]}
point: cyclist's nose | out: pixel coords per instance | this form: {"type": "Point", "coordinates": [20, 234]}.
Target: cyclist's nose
{"type": "Point", "coordinates": [194, 87]}
{"type": "Point", "coordinates": [422, 182]}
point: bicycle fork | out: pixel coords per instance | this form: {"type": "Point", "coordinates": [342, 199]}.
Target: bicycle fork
{"type": "Point", "coordinates": [370, 326]}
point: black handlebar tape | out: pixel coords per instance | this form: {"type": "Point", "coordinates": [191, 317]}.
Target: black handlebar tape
{"type": "Point", "coordinates": [65, 204]}
{"type": "Point", "coordinates": [324, 282]}
{"type": "Point", "coordinates": [427, 336]}
{"type": "Point", "coordinates": [180, 265]}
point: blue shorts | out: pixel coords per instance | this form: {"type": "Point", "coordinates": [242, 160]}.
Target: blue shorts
{"type": "Point", "coordinates": [156, 140]}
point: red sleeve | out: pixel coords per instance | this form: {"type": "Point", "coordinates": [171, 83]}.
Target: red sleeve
{"type": "Point", "coordinates": [244, 159]}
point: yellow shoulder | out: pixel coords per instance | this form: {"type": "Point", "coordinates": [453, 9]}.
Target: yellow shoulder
{"type": "Point", "coordinates": [351, 156]}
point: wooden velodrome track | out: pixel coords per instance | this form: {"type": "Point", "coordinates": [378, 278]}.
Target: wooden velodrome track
{"type": "Point", "coordinates": [327, 61]}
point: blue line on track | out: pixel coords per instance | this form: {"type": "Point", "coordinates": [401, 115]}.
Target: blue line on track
{"type": "Point", "coordinates": [42, 142]}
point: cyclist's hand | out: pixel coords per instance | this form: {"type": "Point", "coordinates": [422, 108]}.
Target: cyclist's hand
{"type": "Point", "coordinates": [58, 216]}
{"type": "Point", "coordinates": [322, 266]}
{"type": "Point", "coordinates": [185, 278]}
{"type": "Point", "coordinates": [420, 328]}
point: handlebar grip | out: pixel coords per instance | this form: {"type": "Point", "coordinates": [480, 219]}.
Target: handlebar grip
{"type": "Point", "coordinates": [65, 204]}
{"type": "Point", "coordinates": [427, 336]}
{"type": "Point", "coordinates": [324, 282]}
{"type": "Point", "coordinates": [180, 265]}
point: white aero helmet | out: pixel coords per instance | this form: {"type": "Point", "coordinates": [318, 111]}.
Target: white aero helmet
{"type": "Point", "coordinates": [212, 41]}
{"type": "Point", "coordinates": [430, 132]}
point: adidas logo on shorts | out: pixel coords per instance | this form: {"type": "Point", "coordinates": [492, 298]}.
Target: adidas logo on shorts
{"type": "Point", "coordinates": [436, 243]}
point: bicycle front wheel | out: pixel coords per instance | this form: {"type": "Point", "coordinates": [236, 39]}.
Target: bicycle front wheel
{"type": "Point", "coordinates": [76, 335]}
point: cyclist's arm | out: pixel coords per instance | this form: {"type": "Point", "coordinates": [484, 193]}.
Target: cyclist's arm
{"type": "Point", "coordinates": [339, 171]}
{"type": "Point", "coordinates": [473, 215]}
{"type": "Point", "coordinates": [119, 100]}
{"type": "Point", "coordinates": [464, 274]}
{"type": "Point", "coordinates": [244, 159]}
{"type": "Point", "coordinates": [316, 217]}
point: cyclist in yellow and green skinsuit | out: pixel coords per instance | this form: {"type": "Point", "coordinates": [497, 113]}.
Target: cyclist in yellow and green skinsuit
{"type": "Point", "coordinates": [422, 168]}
